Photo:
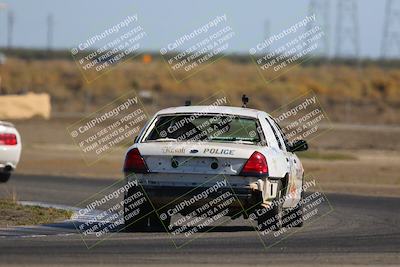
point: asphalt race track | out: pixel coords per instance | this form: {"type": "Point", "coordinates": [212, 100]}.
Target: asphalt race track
{"type": "Point", "coordinates": [359, 231]}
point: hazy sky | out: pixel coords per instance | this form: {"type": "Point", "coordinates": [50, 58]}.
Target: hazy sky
{"type": "Point", "coordinates": [76, 20]}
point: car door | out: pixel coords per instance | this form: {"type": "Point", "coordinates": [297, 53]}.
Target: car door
{"type": "Point", "coordinates": [298, 167]}
{"type": "Point", "coordinates": [276, 156]}
{"type": "Point", "coordinates": [294, 182]}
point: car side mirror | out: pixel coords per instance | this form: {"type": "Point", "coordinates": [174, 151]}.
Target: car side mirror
{"type": "Point", "coordinates": [299, 145]}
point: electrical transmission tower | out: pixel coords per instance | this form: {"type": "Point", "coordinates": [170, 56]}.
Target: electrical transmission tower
{"type": "Point", "coordinates": [390, 47]}
{"type": "Point", "coordinates": [322, 19]}
{"type": "Point", "coordinates": [347, 30]}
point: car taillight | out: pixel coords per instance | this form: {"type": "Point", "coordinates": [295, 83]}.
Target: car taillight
{"type": "Point", "coordinates": [134, 162]}
{"type": "Point", "coordinates": [256, 165]}
{"type": "Point", "coordinates": [8, 139]}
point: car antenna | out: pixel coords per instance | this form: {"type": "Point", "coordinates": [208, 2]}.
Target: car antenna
{"type": "Point", "coordinates": [188, 103]}
{"type": "Point", "coordinates": [245, 100]}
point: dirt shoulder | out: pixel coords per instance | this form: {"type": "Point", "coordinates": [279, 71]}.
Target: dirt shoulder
{"type": "Point", "coordinates": [12, 214]}
{"type": "Point", "coordinates": [370, 172]}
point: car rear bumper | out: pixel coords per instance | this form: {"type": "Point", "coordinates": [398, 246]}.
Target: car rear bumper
{"type": "Point", "coordinates": [9, 156]}
{"type": "Point", "coordinates": [167, 196]}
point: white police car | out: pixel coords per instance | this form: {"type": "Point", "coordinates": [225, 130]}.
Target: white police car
{"type": "Point", "coordinates": [185, 151]}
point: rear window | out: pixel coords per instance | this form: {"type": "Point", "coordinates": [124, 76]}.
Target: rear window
{"type": "Point", "coordinates": [210, 128]}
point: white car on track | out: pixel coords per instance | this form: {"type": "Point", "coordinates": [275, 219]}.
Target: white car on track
{"type": "Point", "coordinates": [181, 149]}
{"type": "Point", "coordinates": [10, 149]}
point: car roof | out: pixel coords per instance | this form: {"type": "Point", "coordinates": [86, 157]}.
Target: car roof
{"type": "Point", "coordinates": [247, 112]}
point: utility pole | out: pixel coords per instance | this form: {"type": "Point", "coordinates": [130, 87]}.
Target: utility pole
{"type": "Point", "coordinates": [2, 6]}
{"type": "Point", "coordinates": [50, 29]}
{"type": "Point", "coordinates": [267, 30]}
{"type": "Point", "coordinates": [347, 30]}
{"type": "Point", "coordinates": [390, 46]}
{"type": "Point", "coordinates": [10, 28]}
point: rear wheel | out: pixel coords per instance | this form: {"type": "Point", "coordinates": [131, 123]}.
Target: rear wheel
{"type": "Point", "coordinates": [4, 177]}
{"type": "Point", "coordinates": [294, 216]}
{"type": "Point", "coordinates": [142, 217]}
{"type": "Point", "coordinates": [135, 217]}
{"type": "Point", "coordinates": [156, 224]}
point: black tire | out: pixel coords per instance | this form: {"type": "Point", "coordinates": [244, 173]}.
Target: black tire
{"type": "Point", "coordinates": [270, 219]}
{"type": "Point", "coordinates": [139, 222]}
{"type": "Point", "coordinates": [4, 177]}
{"type": "Point", "coordinates": [156, 224]}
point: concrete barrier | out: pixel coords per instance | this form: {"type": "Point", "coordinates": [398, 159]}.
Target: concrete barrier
{"type": "Point", "coordinates": [25, 106]}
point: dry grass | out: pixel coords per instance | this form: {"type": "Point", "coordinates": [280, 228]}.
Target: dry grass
{"type": "Point", "coordinates": [319, 155]}
{"type": "Point", "coordinates": [12, 213]}
{"type": "Point", "coordinates": [370, 94]}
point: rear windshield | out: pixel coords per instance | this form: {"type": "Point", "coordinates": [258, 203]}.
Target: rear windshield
{"type": "Point", "coordinates": [213, 127]}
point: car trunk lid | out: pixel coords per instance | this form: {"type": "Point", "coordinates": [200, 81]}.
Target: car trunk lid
{"type": "Point", "coordinates": [195, 158]}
